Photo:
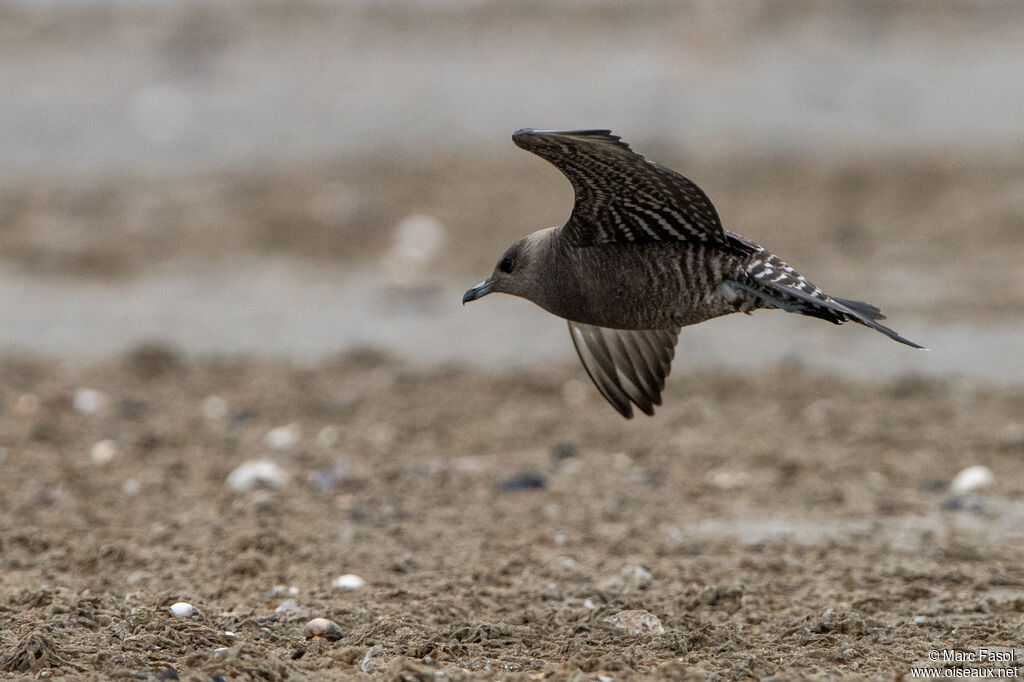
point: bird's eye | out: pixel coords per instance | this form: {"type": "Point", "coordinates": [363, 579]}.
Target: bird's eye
{"type": "Point", "coordinates": [507, 264]}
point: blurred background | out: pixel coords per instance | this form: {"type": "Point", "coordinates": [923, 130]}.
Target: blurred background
{"type": "Point", "coordinates": [236, 374]}
{"type": "Point", "coordinates": [297, 179]}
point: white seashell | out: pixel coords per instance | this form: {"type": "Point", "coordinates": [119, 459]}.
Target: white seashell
{"type": "Point", "coordinates": [283, 437]}
{"type": "Point", "coordinates": [89, 401]}
{"type": "Point", "coordinates": [249, 475]}
{"type": "Point", "coordinates": [183, 609]}
{"type": "Point", "coordinates": [215, 408]}
{"type": "Point", "coordinates": [349, 581]}
{"type": "Point", "coordinates": [286, 606]}
{"type": "Point", "coordinates": [103, 452]}
{"type": "Point", "coordinates": [971, 479]}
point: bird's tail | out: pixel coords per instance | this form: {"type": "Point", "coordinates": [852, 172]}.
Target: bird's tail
{"type": "Point", "coordinates": [780, 286]}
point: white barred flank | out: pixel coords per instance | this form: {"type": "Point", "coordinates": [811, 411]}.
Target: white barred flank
{"type": "Point", "coordinates": [769, 268]}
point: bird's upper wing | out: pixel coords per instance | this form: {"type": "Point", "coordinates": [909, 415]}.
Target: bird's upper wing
{"type": "Point", "coordinates": [620, 195]}
{"type": "Point", "coordinates": [628, 366]}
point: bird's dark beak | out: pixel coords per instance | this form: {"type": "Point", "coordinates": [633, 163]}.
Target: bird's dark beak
{"type": "Point", "coordinates": [479, 291]}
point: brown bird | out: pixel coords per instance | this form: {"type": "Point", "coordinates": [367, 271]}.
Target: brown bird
{"type": "Point", "coordinates": [642, 255]}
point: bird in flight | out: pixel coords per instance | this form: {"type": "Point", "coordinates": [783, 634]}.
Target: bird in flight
{"type": "Point", "coordinates": [642, 255]}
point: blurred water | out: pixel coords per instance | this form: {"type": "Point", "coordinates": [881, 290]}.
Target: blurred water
{"type": "Point", "coordinates": [183, 86]}
{"type": "Point", "coordinates": [305, 313]}
{"type": "Point", "coordinates": [166, 88]}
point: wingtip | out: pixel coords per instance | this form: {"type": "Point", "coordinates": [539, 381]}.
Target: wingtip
{"type": "Point", "coordinates": [584, 132]}
{"type": "Point", "coordinates": [905, 341]}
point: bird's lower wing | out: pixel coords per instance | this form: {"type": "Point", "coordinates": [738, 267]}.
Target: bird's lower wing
{"type": "Point", "coordinates": [628, 366]}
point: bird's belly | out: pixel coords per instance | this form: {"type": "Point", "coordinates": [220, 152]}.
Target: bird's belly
{"type": "Point", "coordinates": [647, 287]}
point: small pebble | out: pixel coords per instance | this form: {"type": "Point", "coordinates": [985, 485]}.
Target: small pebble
{"type": "Point", "coordinates": [327, 479]}
{"type": "Point", "coordinates": [131, 408]}
{"type": "Point", "coordinates": [321, 627]}
{"type": "Point", "coordinates": [636, 622]}
{"type": "Point", "coordinates": [589, 604]}
{"type": "Point", "coordinates": [348, 581]}
{"type": "Point", "coordinates": [255, 473]}
{"type": "Point", "coordinates": [932, 485]}
{"type": "Point", "coordinates": [965, 503]}
{"type": "Point", "coordinates": [103, 452]}
{"type": "Point", "coordinates": [136, 577]}
{"type": "Point", "coordinates": [380, 434]}
{"type": "Point", "coordinates": [524, 481]}
{"type": "Point", "coordinates": [27, 404]}
{"type": "Point", "coordinates": [284, 437]}
{"type": "Point", "coordinates": [920, 620]}
{"type": "Point", "coordinates": [727, 480]}
{"type": "Point", "coordinates": [1012, 435]}
{"type": "Point", "coordinates": [242, 416]}
{"type": "Point", "coordinates": [183, 609]}
{"type": "Point", "coordinates": [971, 479]}
{"type": "Point", "coordinates": [328, 436]}
{"type": "Point", "coordinates": [563, 451]}
{"type": "Point", "coordinates": [418, 239]}
{"type": "Point", "coordinates": [286, 606]}
{"type": "Point", "coordinates": [622, 461]}
{"type": "Point", "coordinates": [280, 590]}
{"type": "Point", "coordinates": [215, 408]}
{"type": "Point", "coordinates": [576, 392]}
{"type": "Point", "coordinates": [637, 574]}
{"type": "Point", "coordinates": [89, 401]}
{"type": "Point", "coordinates": [131, 487]}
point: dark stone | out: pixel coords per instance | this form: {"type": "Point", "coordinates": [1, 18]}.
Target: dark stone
{"type": "Point", "coordinates": [962, 503]}
{"type": "Point", "coordinates": [523, 481]}
{"type": "Point", "coordinates": [130, 408]}
{"type": "Point", "coordinates": [563, 450]}
{"type": "Point", "coordinates": [932, 485]}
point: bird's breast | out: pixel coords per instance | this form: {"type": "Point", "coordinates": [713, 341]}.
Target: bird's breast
{"type": "Point", "coordinates": [643, 286]}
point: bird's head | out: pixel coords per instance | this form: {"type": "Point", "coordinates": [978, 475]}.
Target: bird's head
{"type": "Point", "coordinates": [519, 271]}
